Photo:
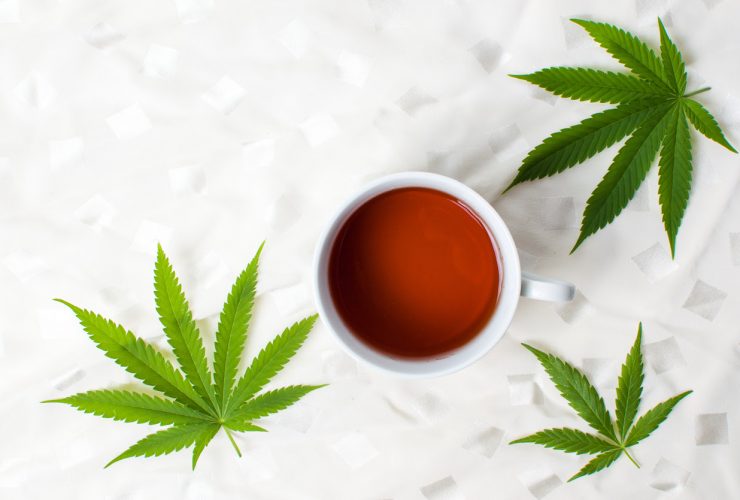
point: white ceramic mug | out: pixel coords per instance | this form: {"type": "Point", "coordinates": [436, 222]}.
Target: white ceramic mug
{"type": "Point", "coordinates": [515, 283]}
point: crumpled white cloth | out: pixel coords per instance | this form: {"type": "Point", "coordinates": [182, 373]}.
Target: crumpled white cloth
{"type": "Point", "coordinates": [210, 125]}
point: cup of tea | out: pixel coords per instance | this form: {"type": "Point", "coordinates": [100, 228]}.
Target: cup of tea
{"type": "Point", "coordinates": [418, 275]}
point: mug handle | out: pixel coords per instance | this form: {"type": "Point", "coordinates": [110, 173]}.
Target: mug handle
{"type": "Point", "coordinates": [537, 287]}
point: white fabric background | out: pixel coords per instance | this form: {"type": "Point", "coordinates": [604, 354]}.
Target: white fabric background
{"type": "Point", "coordinates": [210, 125]}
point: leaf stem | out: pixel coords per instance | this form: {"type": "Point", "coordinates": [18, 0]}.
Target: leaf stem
{"type": "Point", "coordinates": [703, 89]}
{"type": "Point", "coordinates": [238, 451]}
{"type": "Point", "coordinates": [628, 456]}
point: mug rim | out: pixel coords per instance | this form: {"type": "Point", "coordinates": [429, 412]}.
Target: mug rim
{"type": "Point", "coordinates": [471, 351]}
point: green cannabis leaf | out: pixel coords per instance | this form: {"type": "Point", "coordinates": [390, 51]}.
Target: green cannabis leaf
{"type": "Point", "coordinates": [652, 108]}
{"type": "Point", "coordinates": [613, 438]}
{"type": "Point", "coordinates": [193, 401]}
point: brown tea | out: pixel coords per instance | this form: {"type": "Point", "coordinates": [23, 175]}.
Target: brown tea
{"type": "Point", "coordinates": [414, 273]}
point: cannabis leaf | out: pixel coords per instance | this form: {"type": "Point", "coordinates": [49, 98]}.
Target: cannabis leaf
{"type": "Point", "coordinates": [194, 402]}
{"type": "Point", "coordinates": [652, 108]}
{"type": "Point", "coordinates": [613, 438]}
